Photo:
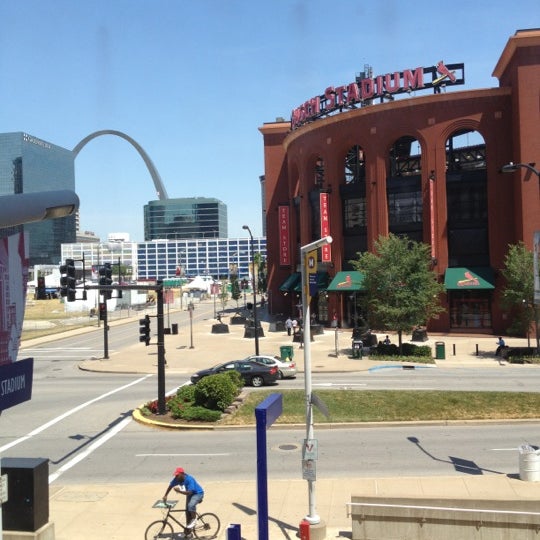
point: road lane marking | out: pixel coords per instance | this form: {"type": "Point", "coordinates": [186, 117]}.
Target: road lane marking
{"type": "Point", "coordinates": [68, 413]}
{"type": "Point", "coordinates": [94, 446]}
{"type": "Point", "coordinates": [339, 384]}
{"type": "Point", "coordinates": [60, 349]}
{"type": "Point", "coordinates": [181, 455]}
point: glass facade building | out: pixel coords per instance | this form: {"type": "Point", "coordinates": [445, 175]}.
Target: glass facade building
{"type": "Point", "coordinates": [161, 259]}
{"type": "Point", "coordinates": [197, 217]}
{"type": "Point", "coordinates": [165, 259]}
{"type": "Point", "coordinates": [29, 165]}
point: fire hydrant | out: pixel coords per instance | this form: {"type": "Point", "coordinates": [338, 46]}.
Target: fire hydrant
{"type": "Point", "coordinates": [304, 530]}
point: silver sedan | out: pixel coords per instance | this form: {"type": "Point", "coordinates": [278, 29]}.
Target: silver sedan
{"type": "Point", "coordinates": [286, 368]}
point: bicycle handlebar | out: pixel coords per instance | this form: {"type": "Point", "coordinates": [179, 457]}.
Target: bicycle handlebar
{"type": "Point", "coordinates": [164, 504]}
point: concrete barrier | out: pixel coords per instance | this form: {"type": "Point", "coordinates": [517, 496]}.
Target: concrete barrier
{"type": "Point", "coordinates": [375, 518]}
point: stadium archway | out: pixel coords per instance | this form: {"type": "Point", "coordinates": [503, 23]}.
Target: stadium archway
{"type": "Point", "coordinates": [160, 188]}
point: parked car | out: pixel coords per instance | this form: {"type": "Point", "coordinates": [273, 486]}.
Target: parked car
{"type": "Point", "coordinates": [252, 372]}
{"type": "Point", "coordinates": [287, 369]}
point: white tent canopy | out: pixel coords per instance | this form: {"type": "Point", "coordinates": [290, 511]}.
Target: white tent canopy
{"type": "Point", "coordinates": [199, 283]}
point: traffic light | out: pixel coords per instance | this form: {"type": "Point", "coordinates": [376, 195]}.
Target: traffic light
{"type": "Point", "coordinates": [103, 311]}
{"type": "Point", "coordinates": [41, 293]}
{"type": "Point", "coordinates": [144, 330]}
{"type": "Point", "coordinates": [105, 278]}
{"type": "Point", "coordinates": [67, 280]}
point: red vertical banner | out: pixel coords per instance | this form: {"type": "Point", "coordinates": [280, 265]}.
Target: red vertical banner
{"type": "Point", "coordinates": [432, 214]}
{"type": "Point", "coordinates": [284, 235]}
{"type": "Point", "coordinates": [326, 250]}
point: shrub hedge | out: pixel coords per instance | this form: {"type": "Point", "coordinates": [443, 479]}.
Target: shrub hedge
{"type": "Point", "coordinates": [204, 401]}
{"type": "Point", "coordinates": [215, 392]}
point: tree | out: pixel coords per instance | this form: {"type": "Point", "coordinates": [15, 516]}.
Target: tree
{"type": "Point", "coordinates": [518, 295]}
{"type": "Point", "coordinates": [236, 293]}
{"type": "Point", "coordinates": [260, 273]}
{"type": "Point", "coordinates": [402, 290]}
{"type": "Point", "coordinates": [223, 296]}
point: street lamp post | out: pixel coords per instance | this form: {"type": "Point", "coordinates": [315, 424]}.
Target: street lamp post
{"type": "Point", "coordinates": [305, 252]}
{"type": "Point", "coordinates": [255, 322]}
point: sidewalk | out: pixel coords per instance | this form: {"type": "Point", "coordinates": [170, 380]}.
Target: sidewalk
{"type": "Point", "coordinates": [123, 511]}
{"type": "Point", "coordinates": [209, 349]}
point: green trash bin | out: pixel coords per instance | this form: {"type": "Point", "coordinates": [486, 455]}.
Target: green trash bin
{"type": "Point", "coordinates": [286, 352]}
{"type": "Point", "coordinates": [439, 350]}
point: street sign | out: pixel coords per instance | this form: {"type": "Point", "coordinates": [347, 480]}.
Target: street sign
{"type": "Point", "coordinates": [16, 383]}
{"type": "Point", "coordinates": [311, 269]}
{"type": "Point", "coordinates": [309, 469]}
{"type": "Point", "coordinates": [3, 488]}
{"type": "Point", "coordinates": [310, 449]}
{"type": "Point", "coordinates": [320, 404]}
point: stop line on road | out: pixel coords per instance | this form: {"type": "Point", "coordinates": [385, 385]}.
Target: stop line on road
{"type": "Point", "coordinates": [52, 353]}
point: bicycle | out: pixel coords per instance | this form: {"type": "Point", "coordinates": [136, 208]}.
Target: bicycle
{"type": "Point", "coordinates": [207, 525]}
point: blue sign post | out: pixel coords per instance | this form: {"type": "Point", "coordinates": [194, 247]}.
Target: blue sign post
{"type": "Point", "coordinates": [266, 413]}
{"type": "Point", "coordinates": [16, 383]}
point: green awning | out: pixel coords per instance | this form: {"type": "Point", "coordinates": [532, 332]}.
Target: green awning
{"type": "Point", "coordinates": [469, 278]}
{"type": "Point", "coordinates": [322, 282]}
{"type": "Point", "coordinates": [351, 280]}
{"type": "Point", "coordinates": [291, 282]}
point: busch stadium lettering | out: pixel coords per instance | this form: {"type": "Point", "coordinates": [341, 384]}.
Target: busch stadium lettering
{"type": "Point", "coordinates": [365, 89]}
{"type": "Point", "coordinates": [14, 384]}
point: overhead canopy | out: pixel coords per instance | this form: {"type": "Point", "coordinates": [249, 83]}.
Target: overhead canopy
{"type": "Point", "coordinates": [479, 278]}
{"type": "Point", "coordinates": [350, 280]}
{"type": "Point", "coordinates": [291, 282]}
{"type": "Point", "coordinates": [199, 283]}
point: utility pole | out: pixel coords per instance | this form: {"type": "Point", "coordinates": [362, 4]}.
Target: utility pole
{"type": "Point", "coordinates": [161, 349]}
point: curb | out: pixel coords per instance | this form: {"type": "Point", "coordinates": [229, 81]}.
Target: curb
{"type": "Point", "coordinates": [141, 419]}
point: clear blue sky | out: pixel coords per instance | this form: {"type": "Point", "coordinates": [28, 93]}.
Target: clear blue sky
{"type": "Point", "coordinates": [192, 81]}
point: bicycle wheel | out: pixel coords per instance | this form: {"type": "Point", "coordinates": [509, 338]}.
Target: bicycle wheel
{"type": "Point", "coordinates": [159, 529]}
{"type": "Point", "coordinates": [207, 526]}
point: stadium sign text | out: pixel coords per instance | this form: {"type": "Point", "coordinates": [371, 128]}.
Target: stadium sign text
{"type": "Point", "coordinates": [366, 88]}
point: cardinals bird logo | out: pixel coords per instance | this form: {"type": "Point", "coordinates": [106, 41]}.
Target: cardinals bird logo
{"type": "Point", "coordinates": [470, 281]}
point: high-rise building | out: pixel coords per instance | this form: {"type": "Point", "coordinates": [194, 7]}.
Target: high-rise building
{"type": "Point", "coordinates": [164, 259]}
{"type": "Point", "coordinates": [29, 165]}
{"type": "Point", "coordinates": [197, 217]}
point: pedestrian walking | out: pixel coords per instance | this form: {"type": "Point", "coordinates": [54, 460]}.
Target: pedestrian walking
{"type": "Point", "coordinates": [500, 345]}
{"type": "Point", "coordinates": [288, 325]}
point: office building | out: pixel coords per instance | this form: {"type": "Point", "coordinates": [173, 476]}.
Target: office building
{"type": "Point", "coordinates": [197, 217]}
{"type": "Point", "coordinates": [218, 257]}
{"type": "Point", "coordinates": [29, 165]}
{"type": "Point", "coordinates": [166, 259]}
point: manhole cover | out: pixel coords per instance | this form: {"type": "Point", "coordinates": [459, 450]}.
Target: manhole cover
{"type": "Point", "coordinates": [287, 447]}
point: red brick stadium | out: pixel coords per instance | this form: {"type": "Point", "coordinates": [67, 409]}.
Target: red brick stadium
{"type": "Point", "coordinates": [408, 154]}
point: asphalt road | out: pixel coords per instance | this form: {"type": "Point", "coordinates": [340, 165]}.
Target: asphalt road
{"type": "Point", "coordinates": [82, 422]}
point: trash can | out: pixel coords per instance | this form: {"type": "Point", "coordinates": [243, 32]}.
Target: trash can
{"type": "Point", "coordinates": [286, 352]}
{"type": "Point", "coordinates": [439, 350]}
{"type": "Point", "coordinates": [174, 328]}
{"type": "Point", "coordinates": [357, 346]}
{"type": "Point", "coordinates": [529, 463]}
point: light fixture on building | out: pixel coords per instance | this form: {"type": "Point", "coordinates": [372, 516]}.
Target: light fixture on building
{"type": "Point", "coordinates": [513, 167]}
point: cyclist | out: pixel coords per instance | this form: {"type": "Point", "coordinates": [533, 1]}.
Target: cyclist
{"type": "Point", "coordinates": [188, 486]}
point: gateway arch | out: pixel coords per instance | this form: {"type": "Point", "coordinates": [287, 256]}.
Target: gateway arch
{"type": "Point", "coordinates": [160, 188]}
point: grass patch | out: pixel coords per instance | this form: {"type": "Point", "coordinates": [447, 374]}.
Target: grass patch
{"type": "Point", "coordinates": [395, 406]}
{"type": "Point", "coordinates": [54, 312]}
